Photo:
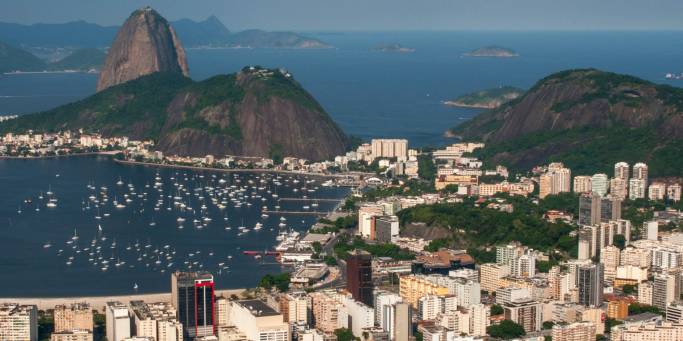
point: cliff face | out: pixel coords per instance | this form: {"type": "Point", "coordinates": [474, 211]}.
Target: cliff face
{"type": "Point", "coordinates": [581, 115]}
{"type": "Point", "coordinates": [146, 43]}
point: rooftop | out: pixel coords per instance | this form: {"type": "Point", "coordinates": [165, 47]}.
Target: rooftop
{"type": "Point", "coordinates": [258, 308]}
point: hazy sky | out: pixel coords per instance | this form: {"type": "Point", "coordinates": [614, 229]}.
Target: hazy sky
{"type": "Point", "coordinates": [305, 15]}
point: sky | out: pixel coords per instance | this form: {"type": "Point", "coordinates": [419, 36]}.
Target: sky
{"type": "Point", "coordinates": [370, 15]}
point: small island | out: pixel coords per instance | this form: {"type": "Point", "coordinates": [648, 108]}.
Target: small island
{"type": "Point", "coordinates": [393, 48]}
{"type": "Point", "coordinates": [492, 51]}
{"type": "Point", "coordinates": [486, 99]}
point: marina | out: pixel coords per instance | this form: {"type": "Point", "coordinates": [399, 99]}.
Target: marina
{"type": "Point", "coordinates": [115, 228]}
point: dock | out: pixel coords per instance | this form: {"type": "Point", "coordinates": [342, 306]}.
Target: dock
{"type": "Point", "coordinates": [311, 199]}
{"type": "Point", "coordinates": [315, 213]}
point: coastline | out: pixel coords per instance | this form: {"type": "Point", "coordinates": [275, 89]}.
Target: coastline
{"type": "Point", "coordinates": [232, 170]}
{"type": "Point", "coordinates": [470, 106]}
{"type": "Point", "coordinates": [8, 157]}
{"type": "Point", "coordinates": [98, 302]}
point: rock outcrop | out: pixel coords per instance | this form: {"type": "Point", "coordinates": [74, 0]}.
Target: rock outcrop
{"type": "Point", "coordinates": [146, 43]}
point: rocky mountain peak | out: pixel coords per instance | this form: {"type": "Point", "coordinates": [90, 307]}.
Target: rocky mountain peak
{"type": "Point", "coordinates": [146, 43]}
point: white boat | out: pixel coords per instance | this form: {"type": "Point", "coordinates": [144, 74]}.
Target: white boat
{"type": "Point", "coordinates": [258, 226]}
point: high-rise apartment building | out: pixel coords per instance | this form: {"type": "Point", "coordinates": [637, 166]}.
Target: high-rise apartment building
{"type": "Point", "coordinates": [637, 189]}
{"type": "Point", "coordinates": [610, 257]}
{"type": "Point", "coordinates": [556, 180]}
{"type": "Point", "coordinates": [359, 276]}
{"type": "Point", "coordinates": [117, 321]}
{"type": "Point", "coordinates": [640, 172]}
{"type": "Point", "coordinates": [366, 219]}
{"type": "Point", "coordinates": [156, 320]}
{"type": "Point", "coordinates": [18, 322]}
{"type": "Point", "coordinates": [618, 188]}
{"type": "Point", "coordinates": [490, 275]}
{"type": "Point", "coordinates": [386, 229]}
{"type": "Point", "coordinates": [666, 288]}
{"type": "Point", "coordinates": [258, 321]}
{"type": "Point", "coordinates": [656, 191]}
{"type": "Point", "coordinates": [77, 316]}
{"type": "Point", "coordinates": [525, 312]}
{"type": "Point", "coordinates": [582, 184]}
{"type": "Point", "coordinates": [577, 331]}
{"type": "Point", "coordinates": [673, 192]}
{"type": "Point", "coordinates": [600, 184]}
{"type": "Point", "coordinates": [413, 287]}
{"type": "Point", "coordinates": [403, 316]}
{"type": "Point", "coordinates": [621, 170]}
{"type": "Point", "coordinates": [389, 148]}
{"type": "Point", "coordinates": [192, 295]}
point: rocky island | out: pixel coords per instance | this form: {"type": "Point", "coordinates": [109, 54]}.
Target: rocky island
{"type": "Point", "coordinates": [492, 51]}
{"type": "Point", "coordinates": [486, 99]}
{"type": "Point", "coordinates": [393, 48]}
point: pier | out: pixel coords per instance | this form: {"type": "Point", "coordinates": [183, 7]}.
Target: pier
{"type": "Point", "coordinates": [311, 199]}
{"type": "Point", "coordinates": [315, 213]}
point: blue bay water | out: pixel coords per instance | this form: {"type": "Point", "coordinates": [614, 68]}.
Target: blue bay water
{"type": "Point", "coordinates": [370, 94]}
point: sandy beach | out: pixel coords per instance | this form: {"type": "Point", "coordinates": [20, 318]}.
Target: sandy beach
{"type": "Point", "coordinates": [98, 302]}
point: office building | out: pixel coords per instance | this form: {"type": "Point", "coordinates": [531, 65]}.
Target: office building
{"type": "Point", "coordinates": [18, 322]}
{"type": "Point", "coordinates": [621, 170]}
{"type": "Point", "coordinates": [600, 184]}
{"type": "Point", "coordinates": [258, 321]}
{"type": "Point", "coordinates": [192, 295]}
{"type": "Point", "coordinates": [590, 282]}
{"type": "Point", "coordinates": [359, 276]}
{"type": "Point", "coordinates": [582, 184]}
{"type": "Point", "coordinates": [117, 321]}
{"type": "Point", "coordinates": [386, 229]}
{"type": "Point", "coordinates": [77, 316]}
{"type": "Point", "coordinates": [594, 209]}
{"type": "Point", "coordinates": [366, 219]}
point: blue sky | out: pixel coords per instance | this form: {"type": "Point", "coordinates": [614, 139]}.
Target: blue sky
{"type": "Point", "coordinates": [307, 15]}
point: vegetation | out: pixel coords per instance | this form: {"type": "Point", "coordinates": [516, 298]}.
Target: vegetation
{"type": "Point", "coordinates": [426, 167]}
{"type": "Point", "coordinates": [81, 59]}
{"type": "Point", "coordinates": [346, 244]}
{"type": "Point", "coordinates": [490, 98]}
{"type": "Point", "coordinates": [279, 281]}
{"type": "Point", "coordinates": [344, 334]}
{"type": "Point", "coordinates": [506, 330]}
{"type": "Point", "coordinates": [16, 59]}
{"type": "Point", "coordinates": [637, 308]}
{"type": "Point", "coordinates": [46, 325]}
{"type": "Point", "coordinates": [629, 289]}
{"type": "Point", "coordinates": [480, 226]}
{"type": "Point", "coordinates": [610, 322]}
{"type": "Point", "coordinates": [496, 309]}
{"type": "Point", "coordinates": [548, 325]}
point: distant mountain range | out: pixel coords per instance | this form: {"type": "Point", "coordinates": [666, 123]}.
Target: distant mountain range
{"type": "Point", "coordinates": [207, 33]}
{"type": "Point", "coordinates": [15, 59]}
